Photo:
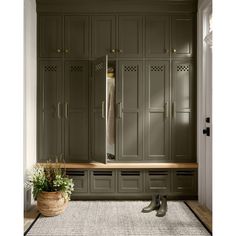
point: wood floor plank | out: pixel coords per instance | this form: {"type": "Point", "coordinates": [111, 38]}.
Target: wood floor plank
{"type": "Point", "coordinates": [204, 214]}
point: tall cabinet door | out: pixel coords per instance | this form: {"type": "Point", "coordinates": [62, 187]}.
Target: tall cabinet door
{"type": "Point", "coordinates": [157, 36]}
{"type": "Point", "coordinates": [130, 36]}
{"type": "Point", "coordinates": [182, 32]}
{"type": "Point", "coordinates": [157, 112]}
{"type": "Point", "coordinates": [76, 36]}
{"type": "Point", "coordinates": [130, 111]}
{"type": "Point", "coordinates": [103, 36]}
{"type": "Point", "coordinates": [50, 36]}
{"type": "Point", "coordinates": [183, 143]}
{"type": "Point", "coordinates": [49, 110]}
{"type": "Point", "coordinates": [99, 110]}
{"type": "Point", "coordinates": [76, 111]}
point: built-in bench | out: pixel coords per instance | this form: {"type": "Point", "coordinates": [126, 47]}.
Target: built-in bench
{"type": "Point", "coordinates": [133, 180]}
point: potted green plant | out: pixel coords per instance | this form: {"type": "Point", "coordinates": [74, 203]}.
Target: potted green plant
{"type": "Point", "coordinates": [51, 188]}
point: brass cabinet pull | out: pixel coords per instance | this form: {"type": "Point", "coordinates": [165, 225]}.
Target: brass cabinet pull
{"type": "Point", "coordinates": [119, 50]}
{"type": "Point", "coordinates": [166, 50]}
{"type": "Point", "coordinates": [173, 109]}
{"type": "Point", "coordinates": [166, 109]}
{"type": "Point", "coordinates": [59, 110]}
{"type": "Point", "coordinates": [59, 50]}
{"type": "Point", "coordinates": [174, 50]}
{"type": "Point", "coordinates": [113, 50]}
{"type": "Point", "coordinates": [66, 109]}
{"type": "Point", "coordinates": [103, 109]}
{"type": "Point", "coordinates": [66, 50]}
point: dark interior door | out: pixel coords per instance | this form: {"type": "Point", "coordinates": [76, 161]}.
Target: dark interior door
{"type": "Point", "coordinates": [99, 109]}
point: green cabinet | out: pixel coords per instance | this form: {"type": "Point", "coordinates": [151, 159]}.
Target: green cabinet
{"type": "Point", "coordinates": [76, 37]}
{"type": "Point", "coordinates": [103, 36]}
{"type": "Point", "coordinates": [157, 112]}
{"type": "Point", "coordinates": [130, 117]}
{"type": "Point", "coordinates": [183, 100]}
{"type": "Point", "coordinates": [76, 109]}
{"type": "Point", "coordinates": [61, 36]}
{"type": "Point", "coordinates": [130, 36]}
{"type": "Point", "coordinates": [182, 36]}
{"type": "Point", "coordinates": [50, 40]}
{"type": "Point", "coordinates": [49, 110]}
{"type": "Point", "coordinates": [63, 110]}
{"type": "Point", "coordinates": [157, 36]}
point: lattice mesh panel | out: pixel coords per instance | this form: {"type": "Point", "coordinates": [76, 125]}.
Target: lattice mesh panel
{"type": "Point", "coordinates": [99, 67]}
{"type": "Point", "coordinates": [76, 68]}
{"type": "Point", "coordinates": [182, 68]}
{"type": "Point", "coordinates": [130, 68]}
{"type": "Point", "coordinates": [157, 68]}
{"type": "Point", "coordinates": [50, 68]}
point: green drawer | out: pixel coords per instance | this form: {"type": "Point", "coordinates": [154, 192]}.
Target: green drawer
{"type": "Point", "coordinates": [130, 181]}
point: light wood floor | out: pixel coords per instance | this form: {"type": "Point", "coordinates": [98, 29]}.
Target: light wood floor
{"type": "Point", "coordinates": [204, 214]}
{"type": "Point", "coordinates": [29, 217]}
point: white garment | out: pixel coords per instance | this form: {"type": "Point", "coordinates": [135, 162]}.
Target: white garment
{"type": "Point", "coordinates": [110, 136]}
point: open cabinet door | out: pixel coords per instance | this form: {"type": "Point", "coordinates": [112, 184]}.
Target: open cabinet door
{"type": "Point", "coordinates": [99, 109]}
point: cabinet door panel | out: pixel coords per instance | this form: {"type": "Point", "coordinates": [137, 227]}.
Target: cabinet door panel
{"type": "Point", "coordinates": [49, 110]}
{"type": "Point", "coordinates": [76, 111]}
{"type": "Point", "coordinates": [157, 36]}
{"type": "Point", "coordinates": [157, 121]}
{"type": "Point", "coordinates": [183, 141]}
{"type": "Point", "coordinates": [182, 29]}
{"type": "Point", "coordinates": [99, 110]}
{"type": "Point", "coordinates": [50, 36]}
{"type": "Point", "coordinates": [76, 36]}
{"type": "Point", "coordinates": [130, 122]}
{"type": "Point", "coordinates": [103, 35]}
{"type": "Point", "coordinates": [130, 33]}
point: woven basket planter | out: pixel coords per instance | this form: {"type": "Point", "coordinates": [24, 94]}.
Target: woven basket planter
{"type": "Point", "coordinates": [51, 203]}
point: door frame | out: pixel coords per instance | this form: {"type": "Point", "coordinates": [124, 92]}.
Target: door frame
{"type": "Point", "coordinates": [203, 71]}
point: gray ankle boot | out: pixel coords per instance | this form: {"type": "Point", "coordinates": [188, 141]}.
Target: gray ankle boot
{"type": "Point", "coordinates": [155, 203]}
{"type": "Point", "coordinates": [163, 207]}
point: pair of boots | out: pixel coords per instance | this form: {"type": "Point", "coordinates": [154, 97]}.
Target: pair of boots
{"type": "Point", "coordinates": [158, 203]}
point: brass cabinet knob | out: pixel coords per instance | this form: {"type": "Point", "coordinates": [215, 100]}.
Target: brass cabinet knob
{"type": "Point", "coordinates": [113, 50]}
{"type": "Point", "coordinates": [66, 50]}
{"type": "Point", "coordinates": [120, 50]}
{"type": "Point", "coordinates": [174, 50]}
{"type": "Point", "coordinates": [58, 50]}
{"type": "Point", "coordinates": [166, 50]}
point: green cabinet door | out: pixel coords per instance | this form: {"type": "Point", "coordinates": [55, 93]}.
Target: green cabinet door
{"type": "Point", "coordinates": [157, 112]}
{"type": "Point", "coordinates": [49, 110]}
{"type": "Point", "coordinates": [76, 36]}
{"type": "Point", "coordinates": [50, 36]}
{"type": "Point", "coordinates": [182, 35]}
{"type": "Point", "coordinates": [157, 36]}
{"type": "Point", "coordinates": [130, 111]}
{"type": "Point", "coordinates": [183, 141]}
{"type": "Point", "coordinates": [76, 111]}
{"type": "Point", "coordinates": [130, 36]}
{"type": "Point", "coordinates": [99, 110]}
{"type": "Point", "coordinates": [103, 36]}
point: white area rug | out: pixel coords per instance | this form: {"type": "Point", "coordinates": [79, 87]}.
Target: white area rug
{"type": "Point", "coordinates": [118, 218]}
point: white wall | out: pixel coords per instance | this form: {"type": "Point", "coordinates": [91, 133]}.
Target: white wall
{"type": "Point", "coordinates": [30, 88]}
{"type": "Point", "coordinates": [204, 79]}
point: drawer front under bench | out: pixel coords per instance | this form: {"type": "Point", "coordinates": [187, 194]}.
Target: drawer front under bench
{"type": "Point", "coordinates": [102, 181]}
{"type": "Point", "coordinates": [158, 181]}
{"type": "Point", "coordinates": [130, 181]}
{"type": "Point", "coordinates": [80, 180]}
